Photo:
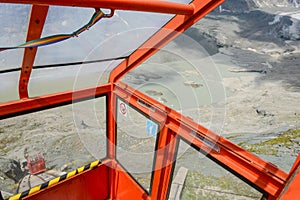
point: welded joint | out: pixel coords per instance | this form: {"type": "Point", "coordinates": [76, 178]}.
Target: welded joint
{"type": "Point", "coordinates": [193, 8]}
{"type": "Point", "coordinates": [111, 14]}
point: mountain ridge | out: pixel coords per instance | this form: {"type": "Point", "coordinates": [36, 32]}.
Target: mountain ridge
{"type": "Point", "coordinates": [248, 5]}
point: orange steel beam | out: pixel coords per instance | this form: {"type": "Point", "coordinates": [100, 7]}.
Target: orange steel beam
{"type": "Point", "coordinates": [165, 156]}
{"type": "Point", "coordinates": [111, 102]}
{"type": "Point", "coordinates": [89, 184]}
{"type": "Point", "coordinates": [172, 29]}
{"type": "Point", "coordinates": [36, 23]}
{"type": "Point", "coordinates": [291, 189]}
{"type": "Point", "coordinates": [257, 172]}
{"type": "Point", "coordinates": [135, 5]}
{"type": "Point", "coordinates": [48, 101]}
{"type": "Point", "coordinates": [159, 167]}
{"type": "Point", "coordinates": [111, 141]}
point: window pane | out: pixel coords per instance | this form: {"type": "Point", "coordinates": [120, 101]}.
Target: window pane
{"type": "Point", "coordinates": [109, 38]}
{"type": "Point", "coordinates": [13, 23]}
{"type": "Point", "coordinates": [9, 86]}
{"type": "Point", "coordinates": [183, 76]}
{"type": "Point", "coordinates": [207, 180]}
{"type": "Point", "coordinates": [136, 141]}
{"type": "Point", "coordinates": [60, 79]}
{"type": "Point", "coordinates": [67, 137]}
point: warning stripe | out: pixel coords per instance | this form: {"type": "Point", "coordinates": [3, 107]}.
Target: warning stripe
{"type": "Point", "coordinates": [54, 181]}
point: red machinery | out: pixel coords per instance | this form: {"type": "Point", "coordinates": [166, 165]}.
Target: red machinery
{"type": "Point", "coordinates": [108, 179]}
{"type": "Point", "coordinates": [36, 164]}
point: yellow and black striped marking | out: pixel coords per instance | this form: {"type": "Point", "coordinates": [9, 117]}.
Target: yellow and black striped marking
{"type": "Point", "coordinates": [54, 181]}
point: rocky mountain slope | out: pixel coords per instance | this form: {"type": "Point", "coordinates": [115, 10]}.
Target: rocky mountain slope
{"type": "Point", "coordinates": [265, 21]}
{"type": "Point", "coordinates": [246, 5]}
{"type": "Point", "coordinates": [267, 31]}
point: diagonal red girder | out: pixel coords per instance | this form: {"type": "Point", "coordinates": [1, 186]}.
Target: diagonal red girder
{"type": "Point", "coordinates": [36, 23]}
{"type": "Point", "coordinates": [168, 32]}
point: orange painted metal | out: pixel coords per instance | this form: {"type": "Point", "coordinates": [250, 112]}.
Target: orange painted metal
{"type": "Point", "coordinates": [159, 161]}
{"type": "Point", "coordinates": [126, 187]}
{"type": "Point", "coordinates": [90, 185]}
{"type": "Point", "coordinates": [291, 189]}
{"type": "Point", "coordinates": [135, 5]}
{"type": "Point", "coordinates": [165, 156]}
{"type": "Point", "coordinates": [111, 124]}
{"type": "Point", "coordinates": [259, 173]}
{"type": "Point", "coordinates": [48, 101]}
{"type": "Point", "coordinates": [172, 29]}
{"type": "Point", "coordinates": [111, 141]}
{"type": "Point", "coordinates": [36, 23]}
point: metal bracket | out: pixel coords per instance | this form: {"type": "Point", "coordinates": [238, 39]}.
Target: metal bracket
{"type": "Point", "coordinates": [111, 14]}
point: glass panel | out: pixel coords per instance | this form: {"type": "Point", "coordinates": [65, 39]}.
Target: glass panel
{"type": "Point", "coordinates": [204, 179]}
{"type": "Point", "coordinates": [284, 144]}
{"type": "Point", "coordinates": [136, 140]}
{"type": "Point", "coordinates": [66, 137]}
{"type": "Point", "coordinates": [52, 80]}
{"type": "Point", "coordinates": [13, 23]}
{"type": "Point", "coordinates": [90, 120]}
{"type": "Point", "coordinates": [109, 38]}
{"type": "Point", "coordinates": [183, 76]}
{"type": "Point", "coordinates": [9, 86]}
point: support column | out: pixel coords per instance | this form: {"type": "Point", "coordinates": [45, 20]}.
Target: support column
{"type": "Point", "coordinates": [111, 141]}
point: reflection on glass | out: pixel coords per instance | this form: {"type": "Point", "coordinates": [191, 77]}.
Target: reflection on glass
{"type": "Point", "coordinates": [9, 86]}
{"type": "Point", "coordinates": [183, 76]}
{"type": "Point", "coordinates": [13, 23]}
{"type": "Point", "coordinates": [66, 137]}
{"type": "Point", "coordinates": [205, 179]}
{"type": "Point", "coordinates": [60, 79]}
{"type": "Point", "coordinates": [136, 140]}
{"type": "Point", "coordinates": [108, 38]}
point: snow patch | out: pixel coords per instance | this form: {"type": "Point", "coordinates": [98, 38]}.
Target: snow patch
{"type": "Point", "coordinates": [277, 3]}
{"type": "Point", "coordinates": [295, 14]}
{"type": "Point", "coordinates": [293, 31]}
{"type": "Point", "coordinates": [276, 20]}
{"type": "Point", "coordinates": [251, 49]}
{"type": "Point", "coordinates": [296, 3]}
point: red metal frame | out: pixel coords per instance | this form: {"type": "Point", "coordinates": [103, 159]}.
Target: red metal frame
{"type": "Point", "coordinates": [135, 5]}
{"type": "Point", "coordinates": [291, 189]}
{"type": "Point", "coordinates": [49, 101]}
{"type": "Point", "coordinates": [164, 163]}
{"type": "Point", "coordinates": [261, 174]}
{"type": "Point", "coordinates": [91, 184]}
